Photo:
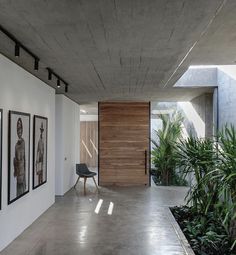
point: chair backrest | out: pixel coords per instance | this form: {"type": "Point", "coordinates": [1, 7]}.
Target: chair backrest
{"type": "Point", "coordinates": [82, 169]}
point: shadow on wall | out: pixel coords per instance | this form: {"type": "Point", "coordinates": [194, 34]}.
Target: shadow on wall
{"type": "Point", "coordinates": [193, 123]}
{"type": "Point", "coordinates": [198, 115]}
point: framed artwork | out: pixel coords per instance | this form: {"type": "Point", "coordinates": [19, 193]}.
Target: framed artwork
{"type": "Point", "coordinates": [0, 159]}
{"type": "Point", "coordinates": [18, 155]}
{"type": "Point", "coordinates": [40, 137]}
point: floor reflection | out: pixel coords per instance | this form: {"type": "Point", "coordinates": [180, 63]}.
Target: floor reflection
{"type": "Point", "coordinates": [78, 224]}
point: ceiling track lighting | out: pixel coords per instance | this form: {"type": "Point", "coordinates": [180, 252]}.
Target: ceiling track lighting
{"type": "Point", "coordinates": [49, 74]}
{"type": "Point", "coordinates": [19, 46]}
{"type": "Point", "coordinates": [58, 83]}
{"type": "Point", "coordinates": [17, 50]}
{"type": "Point", "coordinates": [66, 88]}
{"type": "Point", "coordinates": [36, 64]}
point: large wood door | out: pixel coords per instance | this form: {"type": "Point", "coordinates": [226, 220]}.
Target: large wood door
{"type": "Point", "coordinates": [124, 143]}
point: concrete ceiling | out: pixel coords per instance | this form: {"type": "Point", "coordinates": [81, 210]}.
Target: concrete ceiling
{"type": "Point", "coordinates": [121, 49]}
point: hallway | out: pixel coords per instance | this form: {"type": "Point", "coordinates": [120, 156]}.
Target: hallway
{"type": "Point", "coordinates": [138, 224]}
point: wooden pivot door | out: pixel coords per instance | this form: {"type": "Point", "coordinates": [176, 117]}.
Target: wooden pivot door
{"type": "Point", "coordinates": [124, 129]}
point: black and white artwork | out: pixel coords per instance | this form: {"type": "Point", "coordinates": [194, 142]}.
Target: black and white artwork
{"type": "Point", "coordinates": [18, 155]}
{"type": "Point", "coordinates": [40, 151]}
{"type": "Point", "coordinates": [0, 159]}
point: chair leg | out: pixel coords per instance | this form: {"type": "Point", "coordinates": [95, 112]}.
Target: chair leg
{"type": "Point", "coordinates": [77, 182]}
{"type": "Point", "coordinates": [95, 183]}
{"type": "Point", "coordinates": [85, 179]}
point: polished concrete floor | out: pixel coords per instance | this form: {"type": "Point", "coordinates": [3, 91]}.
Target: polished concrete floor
{"type": "Point", "coordinates": [137, 224]}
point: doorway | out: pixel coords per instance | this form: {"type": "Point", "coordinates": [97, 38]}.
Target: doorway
{"type": "Point", "coordinates": [89, 136]}
{"type": "Point", "coordinates": [124, 141]}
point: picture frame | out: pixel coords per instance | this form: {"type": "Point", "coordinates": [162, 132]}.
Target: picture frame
{"type": "Point", "coordinates": [40, 143]}
{"type": "Point", "coordinates": [1, 127]}
{"type": "Point", "coordinates": [18, 155]}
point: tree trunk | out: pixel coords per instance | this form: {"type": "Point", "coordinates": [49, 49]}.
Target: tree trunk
{"type": "Point", "coordinates": [165, 177]}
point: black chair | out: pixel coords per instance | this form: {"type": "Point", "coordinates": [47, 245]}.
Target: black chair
{"type": "Point", "coordinates": [83, 172]}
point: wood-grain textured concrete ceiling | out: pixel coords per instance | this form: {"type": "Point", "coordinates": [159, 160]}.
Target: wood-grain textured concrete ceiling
{"type": "Point", "coordinates": [121, 49]}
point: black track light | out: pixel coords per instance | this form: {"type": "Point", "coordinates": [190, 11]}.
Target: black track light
{"type": "Point", "coordinates": [66, 88]}
{"type": "Point", "coordinates": [36, 64]}
{"type": "Point", "coordinates": [49, 75]}
{"type": "Point", "coordinates": [17, 50]}
{"type": "Point", "coordinates": [58, 83]}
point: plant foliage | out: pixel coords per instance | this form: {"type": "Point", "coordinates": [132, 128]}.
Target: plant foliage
{"type": "Point", "coordinates": [197, 157]}
{"type": "Point", "coordinates": [164, 150]}
{"type": "Point", "coordinates": [205, 233]}
{"type": "Point", "coordinates": [209, 221]}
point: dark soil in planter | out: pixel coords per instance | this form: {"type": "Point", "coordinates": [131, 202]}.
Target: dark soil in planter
{"type": "Point", "coordinates": [205, 233]}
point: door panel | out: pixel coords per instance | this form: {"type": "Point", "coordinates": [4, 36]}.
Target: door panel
{"type": "Point", "coordinates": [123, 140]}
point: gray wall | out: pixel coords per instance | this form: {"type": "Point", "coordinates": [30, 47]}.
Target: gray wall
{"type": "Point", "coordinates": [226, 99]}
{"type": "Point", "coordinates": [203, 105]}
{"type": "Point", "coordinates": [223, 78]}
{"type": "Point", "coordinates": [198, 77]}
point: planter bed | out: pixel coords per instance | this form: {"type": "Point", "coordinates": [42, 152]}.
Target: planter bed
{"type": "Point", "coordinates": [200, 235]}
{"type": "Point", "coordinates": [183, 240]}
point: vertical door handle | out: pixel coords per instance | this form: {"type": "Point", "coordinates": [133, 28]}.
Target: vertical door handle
{"type": "Point", "coordinates": [145, 152]}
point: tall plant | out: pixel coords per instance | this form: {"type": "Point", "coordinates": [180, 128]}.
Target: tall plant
{"type": "Point", "coordinates": [164, 151]}
{"type": "Point", "coordinates": [212, 224]}
{"type": "Point", "coordinates": [227, 175]}
{"type": "Point", "coordinates": [197, 157]}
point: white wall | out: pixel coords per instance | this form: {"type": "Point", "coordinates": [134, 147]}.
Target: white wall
{"type": "Point", "coordinates": [21, 91]}
{"type": "Point", "coordinates": [87, 117]}
{"type": "Point", "coordinates": [67, 143]}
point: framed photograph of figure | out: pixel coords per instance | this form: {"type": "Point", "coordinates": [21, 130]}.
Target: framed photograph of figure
{"type": "Point", "coordinates": [18, 155]}
{"type": "Point", "coordinates": [40, 137]}
{"type": "Point", "coordinates": [1, 159]}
